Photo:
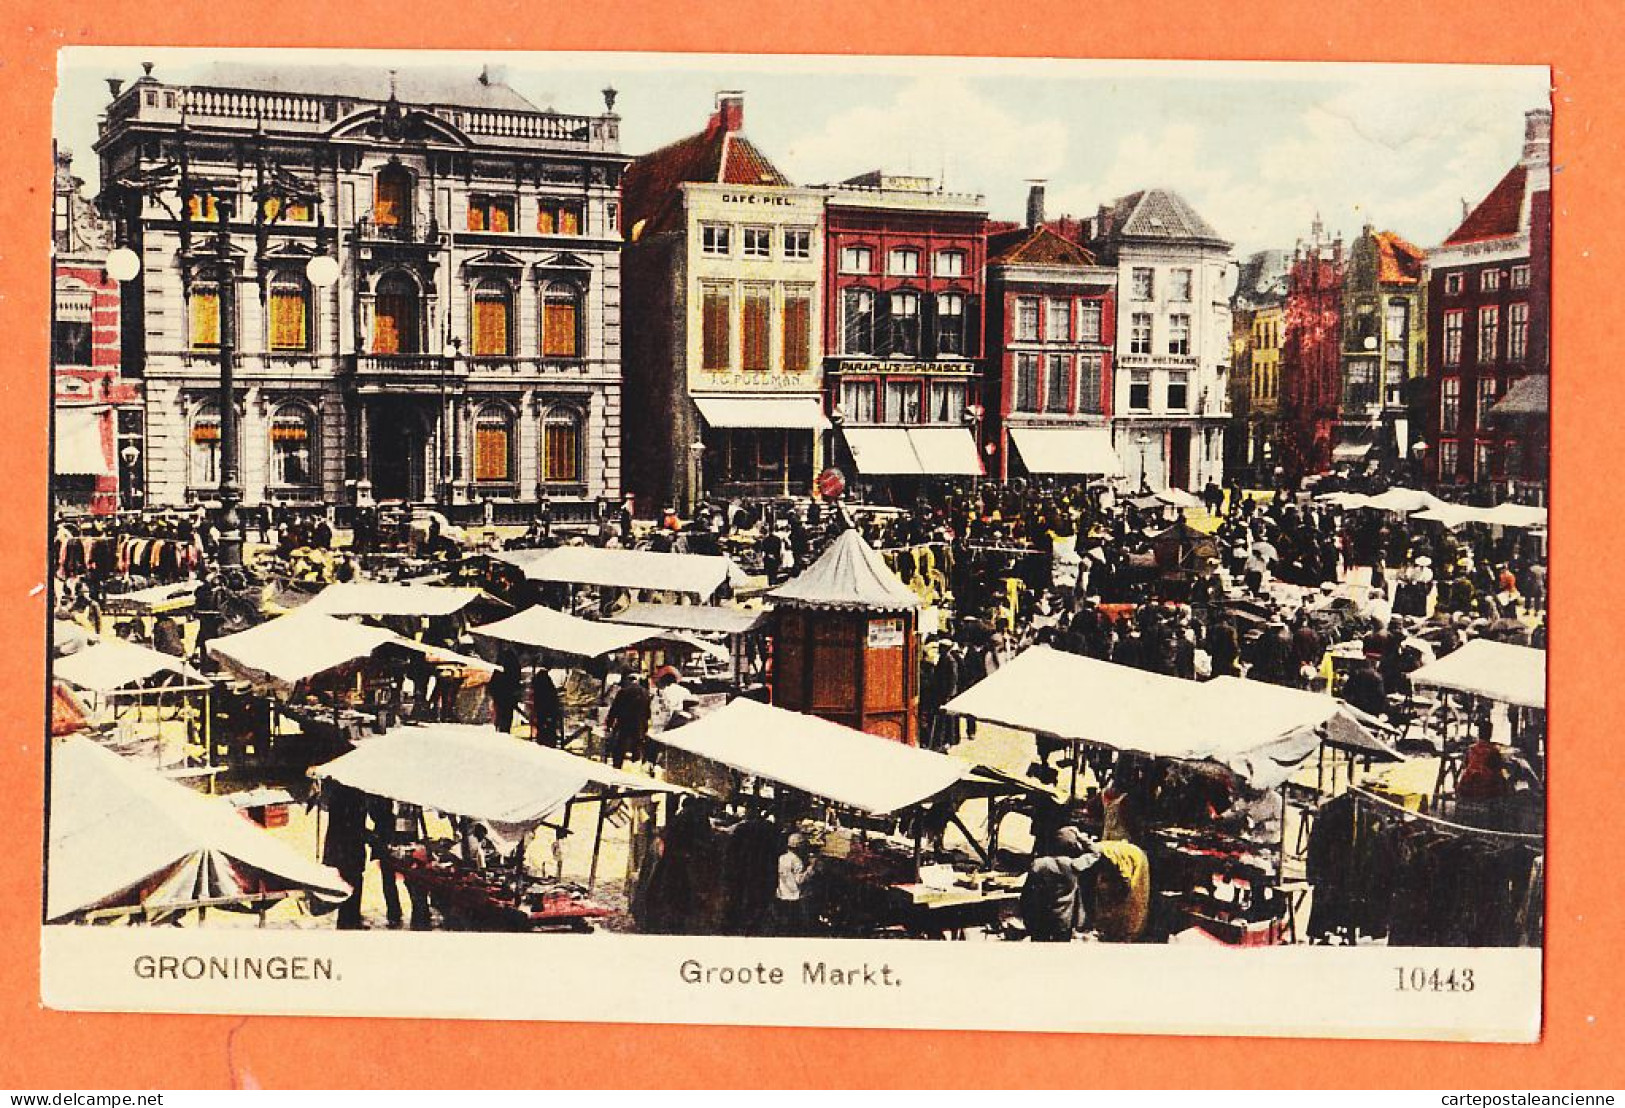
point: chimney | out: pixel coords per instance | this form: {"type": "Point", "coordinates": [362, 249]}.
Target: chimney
{"type": "Point", "coordinates": [1035, 204]}
{"type": "Point", "coordinates": [730, 114]}
{"type": "Point", "coordinates": [1537, 138]}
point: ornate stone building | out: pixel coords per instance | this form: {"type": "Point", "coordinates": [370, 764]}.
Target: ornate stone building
{"type": "Point", "coordinates": [465, 348]}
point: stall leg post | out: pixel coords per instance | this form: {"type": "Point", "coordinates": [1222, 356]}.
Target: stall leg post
{"type": "Point", "coordinates": [597, 844]}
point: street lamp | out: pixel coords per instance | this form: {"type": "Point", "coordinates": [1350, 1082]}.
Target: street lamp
{"type": "Point", "coordinates": [1145, 442]}
{"type": "Point", "coordinates": [697, 449]}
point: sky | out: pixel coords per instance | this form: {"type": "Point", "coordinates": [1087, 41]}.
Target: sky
{"type": "Point", "coordinates": [1258, 148]}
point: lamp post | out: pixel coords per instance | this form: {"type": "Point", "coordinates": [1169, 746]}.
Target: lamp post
{"type": "Point", "coordinates": [1144, 441]}
{"type": "Point", "coordinates": [448, 367]}
{"type": "Point", "coordinates": [696, 451]}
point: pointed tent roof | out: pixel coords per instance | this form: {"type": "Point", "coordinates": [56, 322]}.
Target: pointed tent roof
{"type": "Point", "coordinates": [850, 574]}
{"type": "Point", "coordinates": [1160, 214]}
{"type": "Point", "coordinates": [652, 186]}
{"type": "Point", "coordinates": [1035, 246]}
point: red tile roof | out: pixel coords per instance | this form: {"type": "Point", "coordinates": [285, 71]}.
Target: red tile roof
{"type": "Point", "coordinates": [1035, 246]}
{"type": "Point", "coordinates": [1398, 262]}
{"type": "Point", "coordinates": [1497, 215]}
{"type": "Point", "coordinates": [652, 188]}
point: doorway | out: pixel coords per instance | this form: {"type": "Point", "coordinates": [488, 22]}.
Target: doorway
{"type": "Point", "coordinates": [1179, 458]}
{"type": "Point", "coordinates": [399, 449]}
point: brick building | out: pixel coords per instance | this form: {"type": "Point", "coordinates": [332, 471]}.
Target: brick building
{"type": "Point", "coordinates": [468, 349]}
{"type": "Point", "coordinates": [1488, 312]}
{"type": "Point", "coordinates": [902, 329]}
{"type": "Point", "coordinates": [1311, 356]}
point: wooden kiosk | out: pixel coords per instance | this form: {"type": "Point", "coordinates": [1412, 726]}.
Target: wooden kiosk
{"type": "Point", "coordinates": [846, 644]}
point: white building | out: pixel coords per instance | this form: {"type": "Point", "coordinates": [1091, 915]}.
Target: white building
{"type": "Point", "coordinates": [1171, 391]}
{"type": "Point", "coordinates": [468, 349]}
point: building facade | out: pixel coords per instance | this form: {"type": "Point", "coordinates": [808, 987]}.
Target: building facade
{"type": "Point", "coordinates": [1311, 357]}
{"type": "Point", "coordinates": [1171, 399]}
{"type": "Point", "coordinates": [903, 300]}
{"type": "Point", "coordinates": [1488, 312]}
{"type": "Point", "coordinates": [1384, 339]}
{"type": "Point", "coordinates": [98, 444]}
{"type": "Point", "coordinates": [1052, 327]}
{"type": "Point", "coordinates": [1258, 326]}
{"type": "Point", "coordinates": [465, 348]}
{"type": "Point", "coordinates": [724, 263]}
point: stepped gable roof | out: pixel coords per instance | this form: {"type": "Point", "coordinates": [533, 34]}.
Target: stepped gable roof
{"type": "Point", "coordinates": [1159, 214]}
{"type": "Point", "coordinates": [1498, 215]}
{"type": "Point", "coordinates": [1035, 246]}
{"type": "Point", "coordinates": [652, 187]}
{"type": "Point", "coordinates": [1398, 262]}
{"type": "Point", "coordinates": [412, 86]}
{"type": "Point", "coordinates": [850, 574]}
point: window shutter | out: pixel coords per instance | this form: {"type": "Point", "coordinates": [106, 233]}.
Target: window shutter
{"type": "Point", "coordinates": [205, 317]}
{"type": "Point", "coordinates": [490, 325]}
{"type": "Point", "coordinates": [972, 324]}
{"type": "Point", "coordinates": [883, 325]}
{"type": "Point", "coordinates": [797, 333]}
{"type": "Point", "coordinates": [559, 334]}
{"type": "Point", "coordinates": [491, 453]}
{"type": "Point", "coordinates": [288, 320]}
{"type": "Point", "coordinates": [928, 325]}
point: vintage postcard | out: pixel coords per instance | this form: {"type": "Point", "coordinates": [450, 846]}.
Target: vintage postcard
{"type": "Point", "coordinates": [800, 541]}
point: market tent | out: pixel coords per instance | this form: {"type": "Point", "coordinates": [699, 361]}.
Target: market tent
{"type": "Point", "coordinates": [382, 599]}
{"type": "Point", "coordinates": [792, 413]}
{"type": "Point", "coordinates": [1452, 515]}
{"type": "Point", "coordinates": [80, 449]}
{"type": "Point", "coordinates": [702, 619]}
{"type": "Point", "coordinates": [297, 647]}
{"type": "Point", "coordinates": [1494, 670]}
{"type": "Point", "coordinates": [818, 757]}
{"type": "Point", "coordinates": [122, 835]}
{"type": "Point", "coordinates": [1179, 498]}
{"type": "Point", "coordinates": [1403, 501]}
{"type": "Point", "coordinates": [700, 575]}
{"type": "Point", "coordinates": [546, 629]}
{"type": "Point", "coordinates": [1265, 731]}
{"type": "Point", "coordinates": [478, 772]}
{"type": "Point", "coordinates": [116, 664]}
{"type": "Point", "coordinates": [1071, 450]}
{"type": "Point", "coordinates": [1516, 515]}
{"type": "Point", "coordinates": [850, 574]}
{"type": "Point", "coordinates": [1345, 500]}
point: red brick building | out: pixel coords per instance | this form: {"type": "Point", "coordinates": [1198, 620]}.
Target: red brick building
{"type": "Point", "coordinates": [98, 445]}
{"type": "Point", "coordinates": [1312, 357]}
{"type": "Point", "coordinates": [1488, 325]}
{"type": "Point", "coordinates": [903, 274]}
{"type": "Point", "coordinates": [1052, 326]}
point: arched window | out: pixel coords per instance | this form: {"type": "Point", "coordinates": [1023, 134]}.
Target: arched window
{"type": "Point", "coordinates": [493, 445]}
{"type": "Point", "coordinates": [493, 320]}
{"type": "Point", "coordinates": [392, 197]}
{"type": "Point", "coordinates": [290, 313]}
{"type": "Point", "coordinates": [561, 446]}
{"type": "Point", "coordinates": [561, 320]}
{"type": "Point", "coordinates": [204, 308]}
{"type": "Point", "coordinates": [395, 315]}
{"type": "Point", "coordinates": [293, 445]}
{"type": "Point", "coordinates": [203, 447]}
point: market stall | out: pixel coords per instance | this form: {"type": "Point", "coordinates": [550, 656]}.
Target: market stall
{"type": "Point", "coordinates": [1480, 680]}
{"type": "Point", "coordinates": [740, 631]}
{"type": "Point", "coordinates": [699, 576]}
{"type": "Point", "coordinates": [126, 843]}
{"type": "Point", "coordinates": [509, 788]}
{"type": "Point", "coordinates": [876, 811]}
{"type": "Point", "coordinates": [146, 702]}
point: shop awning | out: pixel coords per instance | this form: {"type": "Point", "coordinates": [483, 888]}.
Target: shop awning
{"type": "Point", "coordinates": [697, 618]}
{"type": "Point", "coordinates": [116, 664]}
{"type": "Point", "coordinates": [546, 629]}
{"type": "Point", "coordinates": [792, 413]}
{"type": "Point", "coordinates": [380, 599]}
{"type": "Point", "coordinates": [1068, 450]}
{"type": "Point", "coordinates": [1494, 670]}
{"type": "Point", "coordinates": [882, 451]}
{"type": "Point", "coordinates": [946, 451]}
{"type": "Point", "coordinates": [79, 450]}
{"type": "Point", "coordinates": [818, 757]}
{"type": "Point", "coordinates": [297, 647]}
{"type": "Point", "coordinates": [698, 575]}
{"type": "Point", "coordinates": [1250, 727]}
{"type": "Point", "coordinates": [118, 828]}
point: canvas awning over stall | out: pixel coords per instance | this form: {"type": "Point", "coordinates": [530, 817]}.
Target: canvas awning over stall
{"type": "Point", "coordinates": [1067, 450]}
{"type": "Point", "coordinates": [698, 575]}
{"type": "Point", "coordinates": [116, 664]}
{"type": "Point", "coordinates": [1494, 670]}
{"type": "Point", "coordinates": [1402, 501]}
{"type": "Point", "coordinates": [546, 629]}
{"type": "Point", "coordinates": [818, 757]}
{"type": "Point", "coordinates": [117, 828]}
{"type": "Point", "coordinates": [701, 619]}
{"type": "Point", "coordinates": [302, 645]}
{"type": "Point", "coordinates": [382, 599]}
{"type": "Point", "coordinates": [763, 413]}
{"type": "Point", "coordinates": [1261, 732]}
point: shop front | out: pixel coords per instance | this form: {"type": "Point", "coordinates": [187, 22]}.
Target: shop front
{"type": "Point", "coordinates": [755, 446]}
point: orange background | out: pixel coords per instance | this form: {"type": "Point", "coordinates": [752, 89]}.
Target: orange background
{"type": "Point", "coordinates": [1585, 977]}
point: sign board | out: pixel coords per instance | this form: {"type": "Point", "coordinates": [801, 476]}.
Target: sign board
{"type": "Point", "coordinates": [885, 633]}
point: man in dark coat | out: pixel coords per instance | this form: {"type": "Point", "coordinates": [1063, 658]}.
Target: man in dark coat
{"type": "Point", "coordinates": [628, 720]}
{"type": "Point", "coordinates": [505, 688]}
{"type": "Point", "coordinates": [546, 709]}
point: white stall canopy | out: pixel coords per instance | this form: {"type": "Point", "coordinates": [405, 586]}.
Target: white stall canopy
{"type": "Point", "coordinates": [1073, 450]}
{"type": "Point", "coordinates": [699, 575]}
{"type": "Point", "coordinates": [302, 645]}
{"type": "Point", "coordinates": [118, 828]}
{"type": "Point", "coordinates": [382, 599]}
{"type": "Point", "coordinates": [115, 664]}
{"type": "Point", "coordinates": [703, 619]}
{"type": "Point", "coordinates": [1494, 670]}
{"type": "Point", "coordinates": [546, 629]}
{"type": "Point", "coordinates": [849, 574]}
{"type": "Point", "coordinates": [818, 757]}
